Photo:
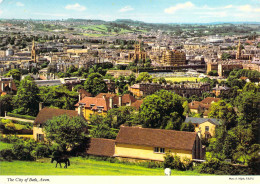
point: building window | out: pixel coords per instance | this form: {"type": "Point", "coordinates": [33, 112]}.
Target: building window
{"type": "Point", "coordinates": [159, 150]}
{"type": "Point", "coordinates": [162, 150]}
{"type": "Point", "coordinates": [206, 128]}
{"type": "Point", "coordinates": [40, 137]}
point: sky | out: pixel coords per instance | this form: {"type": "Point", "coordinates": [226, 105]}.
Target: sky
{"type": "Point", "coordinates": [152, 11]}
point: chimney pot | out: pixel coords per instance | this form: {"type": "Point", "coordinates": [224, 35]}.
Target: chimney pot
{"type": "Point", "coordinates": [120, 101]}
{"type": "Point", "coordinates": [111, 102]}
{"type": "Point", "coordinates": [40, 106]}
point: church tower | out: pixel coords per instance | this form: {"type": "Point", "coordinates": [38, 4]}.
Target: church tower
{"type": "Point", "coordinates": [33, 52]}
{"type": "Point", "coordinates": [239, 48]}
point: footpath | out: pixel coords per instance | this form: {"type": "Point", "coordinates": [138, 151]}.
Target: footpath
{"type": "Point", "coordinates": [17, 119]}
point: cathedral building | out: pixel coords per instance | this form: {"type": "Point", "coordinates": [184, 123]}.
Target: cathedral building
{"type": "Point", "coordinates": [138, 54]}
{"type": "Point", "coordinates": [33, 52]}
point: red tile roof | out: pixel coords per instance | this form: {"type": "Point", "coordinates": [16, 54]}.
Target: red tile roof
{"type": "Point", "coordinates": [156, 138]}
{"type": "Point", "coordinates": [84, 93]}
{"type": "Point", "coordinates": [137, 104]}
{"type": "Point", "coordinates": [126, 98]}
{"type": "Point", "coordinates": [48, 113]}
{"type": "Point", "coordinates": [102, 100]}
{"type": "Point", "coordinates": [101, 147]}
{"type": "Point", "coordinates": [208, 100]}
{"type": "Point", "coordinates": [94, 103]}
{"type": "Point", "coordinates": [6, 83]}
{"type": "Point", "coordinates": [194, 105]}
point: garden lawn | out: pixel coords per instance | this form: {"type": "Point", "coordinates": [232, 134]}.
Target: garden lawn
{"type": "Point", "coordinates": [81, 166]}
{"type": "Point", "coordinates": [4, 145]}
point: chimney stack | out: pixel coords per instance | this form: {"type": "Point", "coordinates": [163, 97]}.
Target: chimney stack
{"type": "Point", "coordinates": [120, 101]}
{"type": "Point", "coordinates": [80, 109]}
{"type": "Point", "coordinates": [111, 102]}
{"type": "Point", "coordinates": [10, 85]}
{"type": "Point", "coordinates": [79, 96]}
{"type": "Point", "coordinates": [3, 86]}
{"type": "Point", "coordinates": [199, 134]}
{"type": "Point", "coordinates": [40, 106]}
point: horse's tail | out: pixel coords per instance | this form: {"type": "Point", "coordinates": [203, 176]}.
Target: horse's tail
{"type": "Point", "coordinates": [68, 162]}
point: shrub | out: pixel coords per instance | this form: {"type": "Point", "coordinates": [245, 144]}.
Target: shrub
{"type": "Point", "coordinates": [42, 150]}
{"type": "Point", "coordinates": [187, 163]}
{"type": "Point", "coordinates": [11, 139]}
{"type": "Point", "coordinates": [23, 150]}
{"type": "Point", "coordinates": [7, 154]}
{"type": "Point", "coordinates": [210, 166]}
{"type": "Point", "coordinates": [173, 162]}
{"type": "Point", "coordinates": [215, 166]}
{"type": "Point", "coordinates": [10, 127]}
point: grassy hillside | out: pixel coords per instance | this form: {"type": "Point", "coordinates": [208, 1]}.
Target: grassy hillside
{"type": "Point", "coordinates": [81, 166]}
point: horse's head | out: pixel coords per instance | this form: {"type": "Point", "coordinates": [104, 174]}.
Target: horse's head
{"type": "Point", "coordinates": [52, 159]}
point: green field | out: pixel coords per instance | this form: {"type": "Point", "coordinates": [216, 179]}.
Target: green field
{"type": "Point", "coordinates": [81, 166]}
{"type": "Point", "coordinates": [180, 79]}
{"type": "Point", "coordinates": [103, 29]}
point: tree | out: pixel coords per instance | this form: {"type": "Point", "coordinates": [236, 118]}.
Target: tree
{"type": "Point", "coordinates": [58, 96]}
{"type": "Point", "coordinates": [189, 127]}
{"type": "Point", "coordinates": [225, 112]}
{"type": "Point", "coordinates": [96, 119]}
{"type": "Point", "coordinates": [213, 73]}
{"type": "Point", "coordinates": [144, 77]}
{"type": "Point", "coordinates": [16, 74]}
{"type": "Point", "coordinates": [250, 87]}
{"type": "Point", "coordinates": [5, 104]}
{"type": "Point", "coordinates": [161, 108]}
{"type": "Point", "coordinates": [67, 132]}
{"type": "Point", "coordinates": [103, 131]}
{"type": "Point", "coordinates": [248, 104]}
{"type": "Point", "coordinates": [27, 100]}
{"type": "Point", "coordinates": [118, 116]}
{"type": "Point", "coordinates": [95, 84]}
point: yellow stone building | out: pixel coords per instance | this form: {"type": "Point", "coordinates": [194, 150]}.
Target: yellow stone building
{"type": "Point", "coordinates": [206, 126]}
{"type": "Point", "coordinates": [102, 103]}
{"type": "Point", "coordinates": [153, 144]}
{"type": "Point", "coordinates": [173, 58]}
{"type": "Point", "coordinates": [138, 54]}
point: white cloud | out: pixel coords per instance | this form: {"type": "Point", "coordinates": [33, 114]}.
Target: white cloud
{"type": "Point", "coordinates": [1, 12]}
{"type": "Point", "coordinates": [1, 1]}
{"type": "Point", "coordinates": [228, 6]}
{"type": "Point", "coordinates": [76, 7]}
{"type": "Point", "coordinates": [173, 9]}
{"type": "Point", "coordinates": [248, 8]}
{"type": "Point", "coordinates": [19, 4]}
{"type": "Point", "coordinates": [126, 9]}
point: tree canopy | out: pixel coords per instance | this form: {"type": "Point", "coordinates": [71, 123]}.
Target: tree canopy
{"type": "Point", "coordinates": [162, 109]}
{"type": "Point", "coordinates": [95, 84]}
{"type": "Point", "coordinates": [67, 132]}
{"type": "Point", "coordinates": [27, 100]}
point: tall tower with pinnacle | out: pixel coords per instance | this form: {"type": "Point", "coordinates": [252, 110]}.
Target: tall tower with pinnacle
{"type": "Point", "coordinates": [239, 48]}
{"type": "Point", "coordinates": [33, 52]}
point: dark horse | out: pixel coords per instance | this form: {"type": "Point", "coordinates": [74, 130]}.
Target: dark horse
{"type": "Point", "coordinates": [60, 160]}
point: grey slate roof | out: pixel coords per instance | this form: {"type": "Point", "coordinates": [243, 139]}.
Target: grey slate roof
{"type": "Point", "coordinates": [201, 120]}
